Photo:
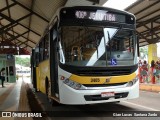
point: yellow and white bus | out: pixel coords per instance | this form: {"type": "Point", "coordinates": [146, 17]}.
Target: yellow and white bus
{"type": "Point", "coordinates": [87, 55]}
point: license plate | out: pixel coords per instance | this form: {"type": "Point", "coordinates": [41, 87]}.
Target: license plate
{"type": "Point", "coordinates": [107, 94]}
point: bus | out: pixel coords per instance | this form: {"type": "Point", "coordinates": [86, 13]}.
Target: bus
{"type": "Point", "coordinates": [21, 73]}
{"type": "Point", "coordinates": [87, 55]}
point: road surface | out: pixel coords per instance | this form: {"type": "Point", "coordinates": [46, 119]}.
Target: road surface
{"type": "Point", "coordinates": [147, 107]}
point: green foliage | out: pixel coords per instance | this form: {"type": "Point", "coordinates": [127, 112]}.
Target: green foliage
{"type": "Point", "coordinates": [23, 61]}
{"type": "Point", "coordinates": [144, 50]}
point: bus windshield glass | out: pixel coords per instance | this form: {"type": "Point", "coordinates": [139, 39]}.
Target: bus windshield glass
{"type": "Point", "coordinates": [99, 47]}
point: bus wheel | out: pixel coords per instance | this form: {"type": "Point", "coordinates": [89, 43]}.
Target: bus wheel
{"type": "Point", "coordinates": [55, 103]}
{"type": "Point", "coordinates": [48, 96]}
{"type": "Point", "coordinates": [48, 91]}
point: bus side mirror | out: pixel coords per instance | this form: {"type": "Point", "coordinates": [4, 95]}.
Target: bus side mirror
{"type": "Point", "coordinates": [137, 38]}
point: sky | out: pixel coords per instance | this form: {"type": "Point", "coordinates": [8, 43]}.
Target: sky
{"type": "Point", "coordinates": [119, 4]}
{"type": "Point", "coordinates": [24, 56]}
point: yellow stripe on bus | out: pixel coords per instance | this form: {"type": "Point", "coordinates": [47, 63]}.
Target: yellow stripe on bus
{"type": "Point", "coordinates": [102, 80]}
{"type": "Point", "coordinates": [37, 78]}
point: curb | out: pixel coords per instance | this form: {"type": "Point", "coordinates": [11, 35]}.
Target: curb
{"type": "Point", "coordinates": [150, 87]}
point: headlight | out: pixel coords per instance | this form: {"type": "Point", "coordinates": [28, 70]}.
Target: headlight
{"type": "Point", "coordinates": [66, 81]}
{"type": "Point", "coordinates": [73, 84]}
{"type": "Point", "coordinates": [131, 83]}
{"type": "Point", "coordinates": [78, 86]}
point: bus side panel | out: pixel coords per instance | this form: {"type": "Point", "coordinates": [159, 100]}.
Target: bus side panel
{"type": "Point", "coordinates": [44, 72]}
{"type": "Point", "coordinates": [37, 78]}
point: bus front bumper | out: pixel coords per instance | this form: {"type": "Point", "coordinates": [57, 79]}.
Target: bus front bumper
{"type": "Point", "coordinates": [71, 96]}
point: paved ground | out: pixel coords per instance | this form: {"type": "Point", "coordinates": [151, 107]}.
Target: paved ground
{"type": "Point", "coordinates": [13, 98]}
{"type": "Point", "coordinates": [9, 96]}
{"type": "Point", "coordinates": [148, 102]}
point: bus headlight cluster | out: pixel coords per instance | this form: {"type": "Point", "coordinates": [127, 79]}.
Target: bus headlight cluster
{"type": "Point", "coordinates": [73, 84]}
{"type": "Point", "coordinates": [131, 83]}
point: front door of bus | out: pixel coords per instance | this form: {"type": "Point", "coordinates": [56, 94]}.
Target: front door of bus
{"type": "Point", "coordinates": [54, 63]}
{"type": "Point", "coordinates": [33, 69]}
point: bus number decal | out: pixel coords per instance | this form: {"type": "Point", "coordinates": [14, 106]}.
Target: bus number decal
{"type": "Point", "coordinates": [95, 80]}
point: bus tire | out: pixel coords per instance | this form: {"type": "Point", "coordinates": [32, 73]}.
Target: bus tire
{"type": "Point", "coordinates": [47, 89]}
{"type": "Point", "coordinates": [55, 103]}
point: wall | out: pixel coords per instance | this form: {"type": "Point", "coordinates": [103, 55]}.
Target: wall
{"type": "Point", "coordinates": [8, 62]}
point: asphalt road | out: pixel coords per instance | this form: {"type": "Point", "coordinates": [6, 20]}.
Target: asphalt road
{"type": "Point", "coordinates": [145, 107]}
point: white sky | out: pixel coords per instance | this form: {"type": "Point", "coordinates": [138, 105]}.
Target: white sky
{"type": "Point", "coordinates": [119, 4]}
{"type": "Point", "coordinates": [23, 56]}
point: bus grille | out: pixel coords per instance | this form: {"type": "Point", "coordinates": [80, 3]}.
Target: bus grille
{"type": "Point", "coordinates": [98, 97]}
{"type": "Point", "coordinates": [111, 72]}
{"type": "Point", "coordinates": [104, 85]}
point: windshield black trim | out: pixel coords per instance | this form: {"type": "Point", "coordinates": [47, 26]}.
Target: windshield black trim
{"type": "Point", "coordinates": [91, 24]}
{"type": "Point", "coordinates": [99, 71]}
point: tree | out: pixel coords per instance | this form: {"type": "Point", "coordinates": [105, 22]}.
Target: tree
{"type": "Point", "coordinates": [143, 52]}
{"type": "Point", "coordinates": [23, 61]}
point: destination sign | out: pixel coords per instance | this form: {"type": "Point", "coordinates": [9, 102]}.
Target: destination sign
{"type": "Point", "coordinates": [95, 16]}
{"type": "Point", "coordinates": [99, 15]}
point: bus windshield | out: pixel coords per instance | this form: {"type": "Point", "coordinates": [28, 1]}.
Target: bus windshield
{"type": "Point", "coordinates": [97, 46]}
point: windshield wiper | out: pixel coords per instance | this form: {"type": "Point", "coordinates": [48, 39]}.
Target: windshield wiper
{"type": "Point", "coordinates": [110, 32]}
{"type": "Point", "coordinates": [109, 40]}
{"type": "Point", "coordinates": [105, 44]}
